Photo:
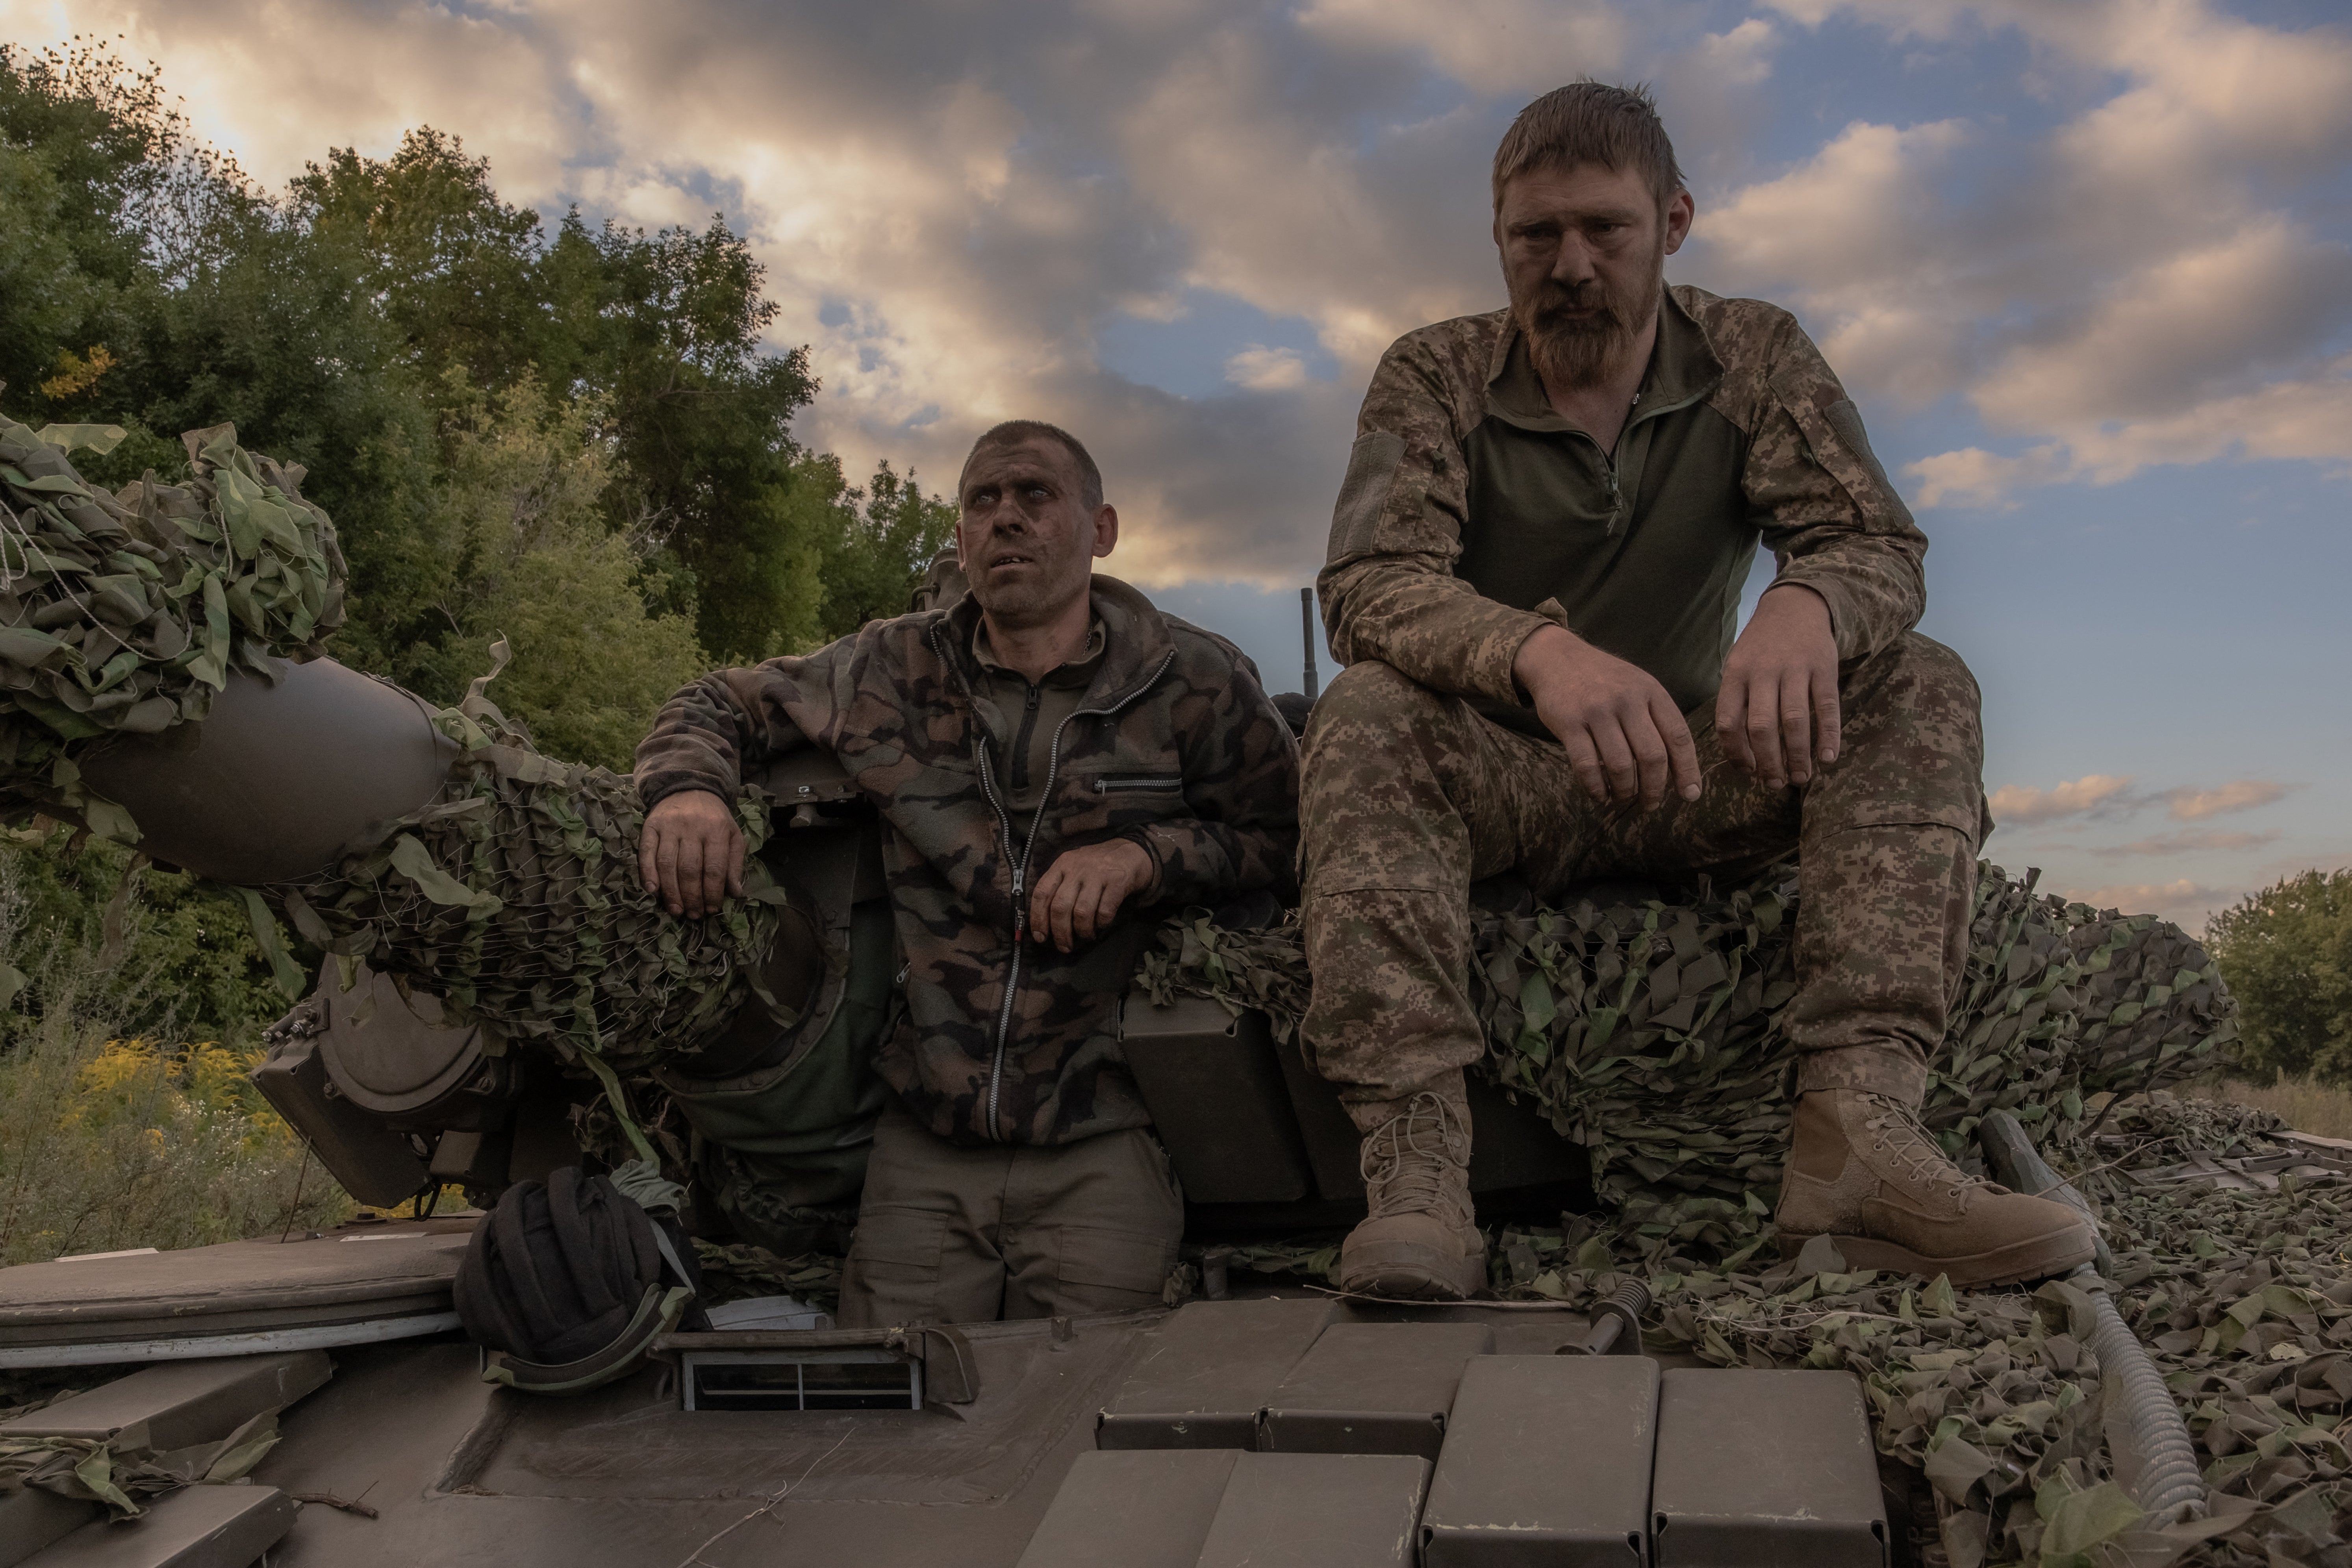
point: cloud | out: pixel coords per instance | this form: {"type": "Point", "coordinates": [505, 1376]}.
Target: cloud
{"type": "Point", "coordinates": [2136, 286]}
{"type": "Point", "coordinates": [2186, 844]}
{"type": "Point", "coordinates": [954, 205]}
{"type": "Point", "coordinates": [2178, 900]}
{"type": "Point", "coordinates": [1741, 56]}
{"type": "Point", "coordinates": [1262, 369]}
{"type": "Point", "coordinates": [2166, 334]}
{"type": "Point", "coordinates": [2196, 804]}
{"type": "Point", "coordinates": [2022, 806]}
{"type": "Point", "coordinates": [1489, 46]}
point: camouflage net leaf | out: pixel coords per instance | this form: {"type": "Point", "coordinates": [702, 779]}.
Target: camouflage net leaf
{"type": "Point", "coordinates": [125, 613]}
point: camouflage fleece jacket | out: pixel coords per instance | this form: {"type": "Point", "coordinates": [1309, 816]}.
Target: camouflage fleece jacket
{"type": "Point", "coordinates": [1175, 747]}
{"type": "Point", "coordinates": [1473, 514]}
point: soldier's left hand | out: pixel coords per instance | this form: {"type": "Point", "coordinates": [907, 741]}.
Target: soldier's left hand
{"type": "Point", "coordinates": [1080, 893]}
{"type": "Point", "coordinates": [1778, 709]}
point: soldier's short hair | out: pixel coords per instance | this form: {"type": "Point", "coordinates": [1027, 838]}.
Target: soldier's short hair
{"type": "Point", "coordinates": [1589, 121]}
{"type": "Point", "coordinates": [1020, 432]}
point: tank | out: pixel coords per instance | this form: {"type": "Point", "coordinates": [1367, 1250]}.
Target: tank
{"type": "Point", "coordinates": [1253, 1419]}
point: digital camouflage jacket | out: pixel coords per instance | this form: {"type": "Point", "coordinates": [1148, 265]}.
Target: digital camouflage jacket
{"type": "Point", "coordinates": [1175, 747]}
{"type": "Point", "coordinates": [1472, 513]}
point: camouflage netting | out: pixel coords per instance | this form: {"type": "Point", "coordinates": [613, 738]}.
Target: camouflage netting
{"type": "Point", "coordinates": [126, 613]}
{"type": "Point", "coordinates": [2241, 1290]}
{"type": "Point", "coordinates": [1650, 1035]}
{"type": "Point", "coordinates": [515, 897]}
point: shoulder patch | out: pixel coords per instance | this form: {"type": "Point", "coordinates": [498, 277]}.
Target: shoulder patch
{"type": "Point", "coordinates": [1372, 465]}
{"type": "Point", "coordinates": [1846, 420]}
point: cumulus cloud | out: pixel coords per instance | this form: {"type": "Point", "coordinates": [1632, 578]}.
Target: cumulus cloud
{"type": "Point", "coordinates": [1491, 45]}
{"type": "Point", "coordinates": [2130, 288]}
{"type": "Point", "coordinates": [1262, 369]}
{"type": "Point", "coordinates": [2185, 844]}
{"type": "Point", "coordinates": [2244, 794]}
{"type": "Point", "coordinates": [2180, 901]}
{"type": "Point", "coordinates": [2024, 806]}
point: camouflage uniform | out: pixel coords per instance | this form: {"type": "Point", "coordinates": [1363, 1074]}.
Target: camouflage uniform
{"type": "Point", "coordinates": [1425, 769]}
{"type": "Point", "coordinates": [1174, 747]}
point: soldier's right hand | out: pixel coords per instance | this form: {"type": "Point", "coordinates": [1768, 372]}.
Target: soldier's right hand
{"type": "Point", "coordinates": [1625, 739]}
{"type": "Point", "coordinates": [691, 853]}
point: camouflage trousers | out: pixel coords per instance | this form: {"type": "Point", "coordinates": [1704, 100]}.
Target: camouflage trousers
{"type": "Point", "coordinates": [1410, 796]}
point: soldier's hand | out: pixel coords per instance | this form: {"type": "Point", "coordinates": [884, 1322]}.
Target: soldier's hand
{"type": "Point", "coordinates": [691, 852]}
{"type": "Point", "coordinates": [1777, 710]}
{"type": "Point", "coordinates": [1080, 893]}
{"type": "Point", "coordinates": [1625, 739]}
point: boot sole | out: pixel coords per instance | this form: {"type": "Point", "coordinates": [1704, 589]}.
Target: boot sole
{"type": "Point", "coordinates": [1406, 1272]}
{"type": "Point", "coordinates": [2021, 1261]}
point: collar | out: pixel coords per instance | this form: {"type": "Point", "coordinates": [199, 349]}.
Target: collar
{"type": "Point", "coordinates": [1136, 641]}
{"type": "Point", "coordinates": [1078, 671]}
{"type": "Point", "coordinates": [1682, 370]}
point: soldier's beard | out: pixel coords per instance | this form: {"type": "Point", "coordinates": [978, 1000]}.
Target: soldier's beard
{"type": "Point", "coordinates": [1575, 350]}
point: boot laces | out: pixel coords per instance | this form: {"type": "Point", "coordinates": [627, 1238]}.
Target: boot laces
{"type": "Point", "coordinates": [1406, 1160]}
{"type": "Point", "coordinates": [1897, 1135]}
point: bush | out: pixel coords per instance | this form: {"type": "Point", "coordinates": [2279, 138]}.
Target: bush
{"type": "Point", "coordinates": [110, 1141]}
{"type": "Point", "coordinates": [2286, 952]}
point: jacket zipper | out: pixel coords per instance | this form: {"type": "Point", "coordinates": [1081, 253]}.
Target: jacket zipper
{"type": "Point", "coordinates": [1020, 864]}
{"type": "Point", "coordinates": [1155, 782]}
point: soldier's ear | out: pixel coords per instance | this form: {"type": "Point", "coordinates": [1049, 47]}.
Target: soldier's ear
{"type": "Point", "coordinates": [1679, 212]}
{"type": "Point", "coordinates": [1106, 529]}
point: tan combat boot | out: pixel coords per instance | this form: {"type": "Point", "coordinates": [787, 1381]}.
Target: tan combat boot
{"type": "Point", "coordinates": [1421, 1239]}
{"type": "Point", "coordinates": [1864, 1172]}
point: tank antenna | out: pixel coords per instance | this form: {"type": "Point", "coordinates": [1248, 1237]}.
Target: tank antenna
{"type": "Point", "coordinates": [1307, 634]}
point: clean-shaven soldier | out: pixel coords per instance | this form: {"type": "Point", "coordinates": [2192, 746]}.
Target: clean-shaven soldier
{"type": "Point", "coordinates": [1533, 581]}
{"type": "Point", "coordinates": [1052, 759]}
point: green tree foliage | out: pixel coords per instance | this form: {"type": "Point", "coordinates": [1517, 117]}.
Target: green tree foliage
{"type": "Point", "coordinates": [2286, 952]}
{"type": "Point", "coordinates": [537, 565]}
{"type": "Point", "coordinates": [572, 435]}
{"type": "Point", "coordinates": [877, 541]}
{"type": "Point", "coordinates": [661, 330]}
{"type": "Point", "coordinates": [180, 965]}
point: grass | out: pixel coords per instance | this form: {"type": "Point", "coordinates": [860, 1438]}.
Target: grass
{"type": "Point", "coordinates": [2302, 1104]}
{"type": "Point", "coordinates": [110, 1141]}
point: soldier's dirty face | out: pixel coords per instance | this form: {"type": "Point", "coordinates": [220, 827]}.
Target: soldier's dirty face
{"type": "Point", "coordinates": [1024, 533]}
{"type": "Point", "coordinates": [1583, 250]}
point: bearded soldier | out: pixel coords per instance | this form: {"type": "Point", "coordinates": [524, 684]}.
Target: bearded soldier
{"type": "Point", "coordinates": [1533, 580]}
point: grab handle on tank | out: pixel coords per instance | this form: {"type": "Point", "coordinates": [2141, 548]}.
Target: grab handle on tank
{"type": "Point", "coordinates": [1616, 1323]}
{"type": "Point", "coordinates": [2169, 1485]}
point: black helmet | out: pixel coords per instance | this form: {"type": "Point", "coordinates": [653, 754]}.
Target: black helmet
{"type": "Point", "coordinates": [568, 1283]}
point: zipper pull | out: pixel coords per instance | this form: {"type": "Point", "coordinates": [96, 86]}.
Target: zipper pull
{"type": "Point", "coordinates": [1020, 906]}
{"type": "Point", "coordinates": [1035, 689]}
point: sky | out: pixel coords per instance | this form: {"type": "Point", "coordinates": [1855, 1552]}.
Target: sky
{"type": "Point", "coordinates": [2086, 268]}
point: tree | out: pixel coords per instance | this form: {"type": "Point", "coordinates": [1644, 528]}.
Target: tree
{"type": "Point", "coordinates": [662, 331]}
{"type": "Point", "coordinates": [538, 566]}
{"type": "Point", "coordinates": [877, 543]}
{"type": "Point", "coordinates": [2286, 952]}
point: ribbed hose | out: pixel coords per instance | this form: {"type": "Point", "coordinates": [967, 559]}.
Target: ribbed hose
{"type": "Point", "coordinates": [2169, 1485]}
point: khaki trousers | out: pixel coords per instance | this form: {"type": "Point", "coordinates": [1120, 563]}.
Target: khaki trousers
{"type": "Point", "coordinates": [1409, 795]}
{"type": "Point", "coordinates": [954, 1235]}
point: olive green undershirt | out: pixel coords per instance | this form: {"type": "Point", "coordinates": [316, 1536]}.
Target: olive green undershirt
{"type": "Point", "coordinates": [1033, 711]}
